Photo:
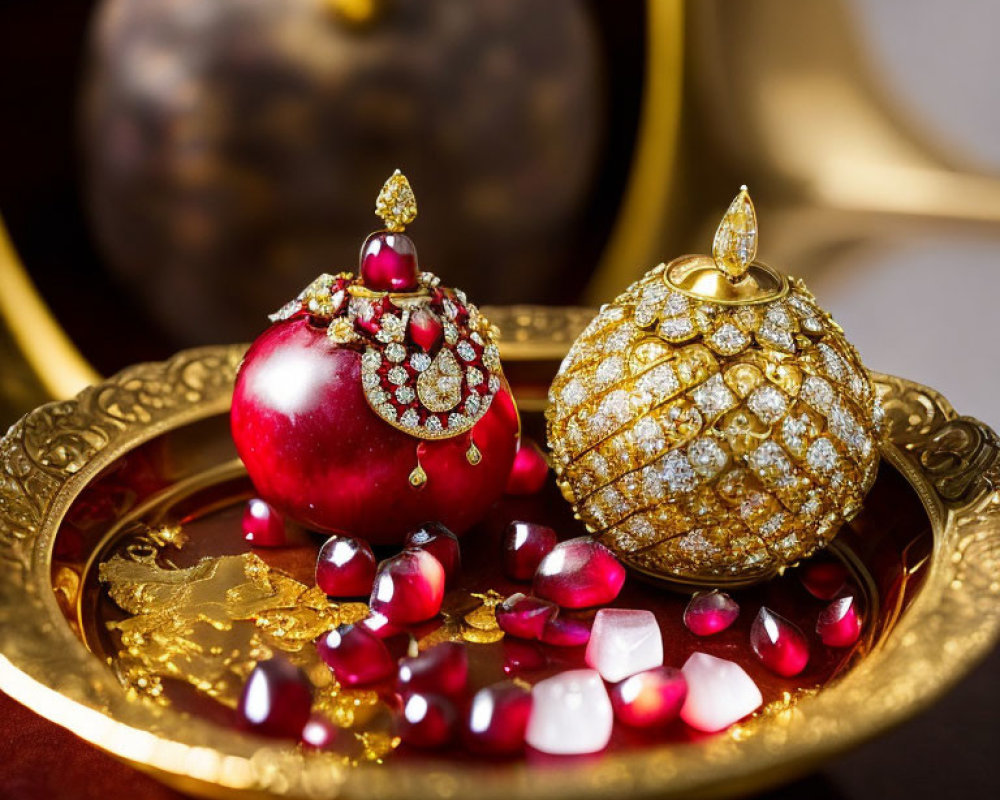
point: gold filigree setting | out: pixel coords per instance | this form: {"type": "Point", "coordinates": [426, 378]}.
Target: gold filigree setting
{"type": "Point", "coordinates": [51, 455]}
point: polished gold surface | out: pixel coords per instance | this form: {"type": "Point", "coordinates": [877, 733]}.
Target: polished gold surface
{"type": "Point", "coordinates": [39, 344]}
{"type": "Point", "coordinates": [52, 454]}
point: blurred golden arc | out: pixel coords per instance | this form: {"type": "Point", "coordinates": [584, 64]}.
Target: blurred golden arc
{"type": "Point", "coordinates": [638, 228]}
{"type": "Point", "coordinates": [44, 346]}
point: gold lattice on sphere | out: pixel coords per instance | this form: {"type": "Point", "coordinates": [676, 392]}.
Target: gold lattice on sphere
{"type": "Point", "coordinates": [713, 441]}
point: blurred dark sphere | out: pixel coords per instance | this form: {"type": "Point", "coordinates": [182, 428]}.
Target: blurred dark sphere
{"type": "Point", "coordinates": [233, 149]}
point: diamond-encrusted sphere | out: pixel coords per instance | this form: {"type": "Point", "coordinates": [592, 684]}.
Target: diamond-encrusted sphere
{"type": "Point", "coordinates": [708, 441]}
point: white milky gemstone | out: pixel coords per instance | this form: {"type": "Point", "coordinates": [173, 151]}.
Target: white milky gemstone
{"type": "Point", "coordinates": [398, 375]}
{"type": "Point", "coordinates": [767, 402]}
{"type": "Point", "coordinates": [624, 642]}
{"type": "Point", "coordinates": [661, 382]}
{"type": "Point", "coordinates": [706, 457]}
{"type": "Point", "coordinates": [573, 393]}
{"type": "Point", "coordinates": [676, 328]}
{"type": "Point", "coordinates": [570, 714]}
{"type": "Point", "coordinates": [420, 361]}
{"type": "Point", "coordinates": [405, 394]}
{"type": "Point", "coordinates": [822, 455]}
{"type": "Point", "coordinates": [465, 351]}
{"type": "Point", "coordinates": [410, 419]}
{"type": "Point", "coordinates": [719, 693]}
{"type": "Point", "coordinates": [433, 424]}
{"type": "Point", "coordinates": [774, 336]}
{"type": "Point", "coordinates": [728, 339]}
{"type": "Point", "coordinates": [817, 393]}
{"type": "Point", "coordinates": [395, 352]}
{"type": "Point", "coordinates": [713, 396]}
{"type": "Point", "coordinates": [675, 471]}
{"type": "Point", "coordinates": [610, 370]}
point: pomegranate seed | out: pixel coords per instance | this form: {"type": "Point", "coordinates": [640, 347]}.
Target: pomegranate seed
{"type": "Point", "coordinates": [427, 720]}
{"type": "Point", "coordinates": [570, 714]}
{"type": "Point", "coordinates": [529, 470]}
{"type": "Point", "coordinates": [276, 699]}
{"type": "Point", "coordinates": [824, 580]}
{"type": "Point", "coordinates": [624, 642]}
{"type": "Point", "coordinates": [319, 733]}
{"type": "Point", "coordinates": [262, 525]}
{"type": "Point", "coordinates": [355, 655]}
{"type": "Point", "coordinates": [719, 693]}
{"type": "Point", "coordinates": [839, 624]}
{"type": "Point", "coordinates": [710, 612]}
{"type": "Point", "coordinates": [778, 643]}
{"type": "Point", "coordinates": [652, 697]}
{"type": "Point", "coordinates": [497, 719]}
{"type": "Point", "coordinates": [442, 669]}
{"type": "Point", "coordinates": [523, 616]}
{"type": "Point", "coordinates": [426, 329]}
{"type": "Point", "coordinates": [345, 567]}
{"type": "Point", "coordinates": [408, 588]}
{"type": "Point", "coordinates": [389, 262]}
{"type": "Point", "coordinates": [579, 573]}
{"type": "Point", "coordinates": [520, 657]}
{"type": "Point", "coordinates": [525, 544]}
{"type": "Point", "coordinates": [566, 632]}
{"type": "Point", "coordinates": [441, 543]}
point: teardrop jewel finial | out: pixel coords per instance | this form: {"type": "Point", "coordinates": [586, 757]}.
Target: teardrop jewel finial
{"type": "Point", "coordinates": [396, 204]}
{"type": "Point", "coordinates": [735, 244]}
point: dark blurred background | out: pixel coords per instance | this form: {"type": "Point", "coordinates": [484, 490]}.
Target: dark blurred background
{"type": "Point", "coordinates": [173, 170]}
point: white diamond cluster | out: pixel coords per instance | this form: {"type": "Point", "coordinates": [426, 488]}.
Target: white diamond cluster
{"type": "Point", "coordinates": [704, 440]}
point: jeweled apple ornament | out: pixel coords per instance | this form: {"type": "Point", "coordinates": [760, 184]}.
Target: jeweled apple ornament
{"type": "Point", "coordinates": [376, 402]}
{"type": "Point", "coordinates": [713, 425]}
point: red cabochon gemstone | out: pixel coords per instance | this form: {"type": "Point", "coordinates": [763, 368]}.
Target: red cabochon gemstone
{"type": "Point", "coordinates": [345, 567]}
{"type": "Point", "coordinates": [529, 471]}
{"type": "Point", "coordinates": [426, 720]}
{"type": "Point", "coordinates": [839, 624]}
{"type": "Point", "coordinates": [262, 525]}
{"type": "Point", "coordinates": [497, 719]}
{"type": "Point", "coordinates": [408, 588]}
{"type": "Point", "coordinates": [525, 544]}
{"type": "Point", "coordinates": [442, 669]}
{"type": "Point", "coordinates": [441, 543]}
{"type": "Point", "coordinates": [276, 700]}
{"type": "Point", "coordinates": [356, 656]}
{"type": "Point", "coordinates": [389, 263]}
{"type": "Point", "coordinates": [579, 573]}
{"type": "Point", "coordinates": [779, 643]}
{"type": "Point", "coordinates": [523, 616]}
{"type": "Point", "coordinates": [710, 612]}
{"type": "Point", "coordinates": [650, 698]}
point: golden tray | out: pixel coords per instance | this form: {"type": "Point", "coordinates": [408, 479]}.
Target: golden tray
{"type": "Point", "coordinates": [916, 653]}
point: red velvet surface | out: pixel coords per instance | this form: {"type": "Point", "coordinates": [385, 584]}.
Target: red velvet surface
{"type": "Point", "coordinates": [41, 761]}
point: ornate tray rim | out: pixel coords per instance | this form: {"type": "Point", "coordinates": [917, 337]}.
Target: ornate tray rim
{"type": "Point", "coordinates": [49, 455]}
